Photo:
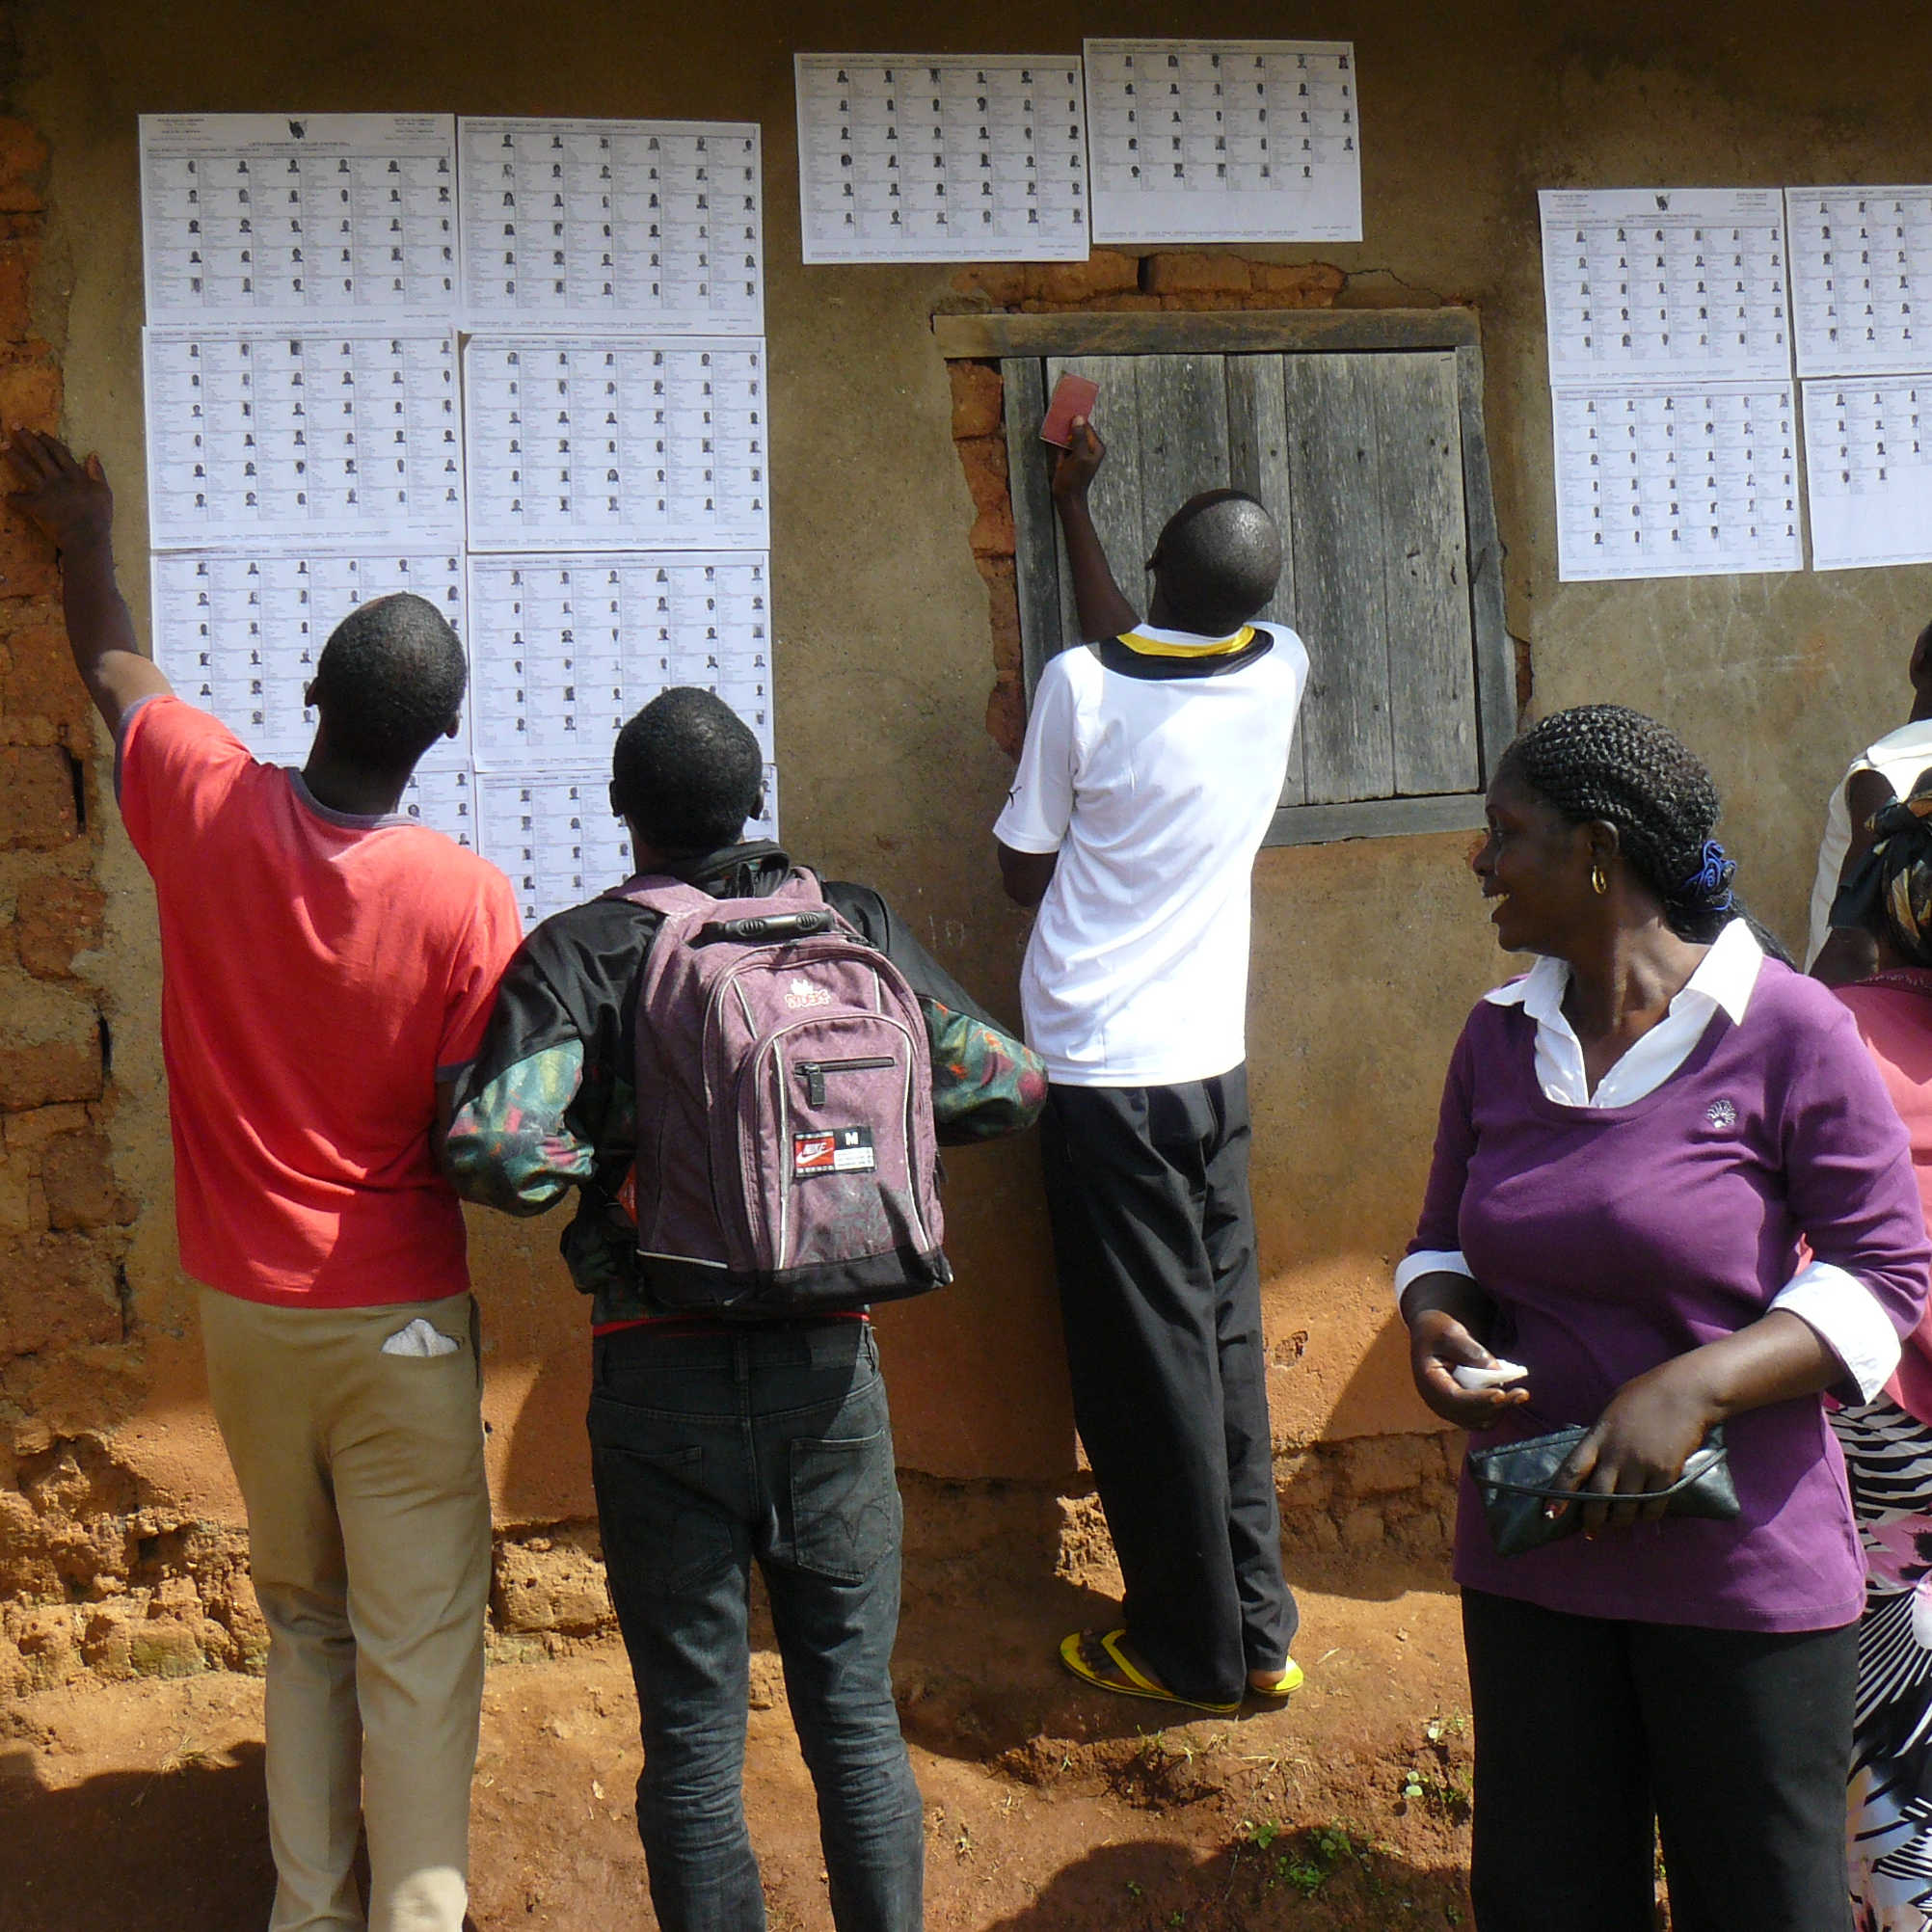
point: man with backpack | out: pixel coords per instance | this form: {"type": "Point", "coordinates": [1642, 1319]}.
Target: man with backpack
{"type": "Point", "coordinates": [738, 1073]}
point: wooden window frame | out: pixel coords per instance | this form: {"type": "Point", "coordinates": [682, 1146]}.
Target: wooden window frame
{"type": "Point", "coordinates": [1019, 341]}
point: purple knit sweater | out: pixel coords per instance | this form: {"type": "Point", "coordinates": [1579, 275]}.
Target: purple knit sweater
{"type": "Point", "coordinates": [1613, 1240]}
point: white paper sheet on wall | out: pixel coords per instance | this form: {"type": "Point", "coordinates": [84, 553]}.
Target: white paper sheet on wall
{"type": "Point", "coordinates": [239, 633]}
{"type": "Point", "coordinates": [941, 157]}
{"type": "Point", "coordinates": [263, 434]}
{"type": "Point", "coordinates": [260, 216]}
{"type": "Point", "coordinates": [555, 837]}
{"type": "Point", "coordinates": [616, 443]}
{"type": "Point", "coordinates": [634, 225]}
{"type": "Point", "coordinates": [1666, 282]}
{"type": "Point", "coordinates": [1869, 470]}
{"type": "Point", "coordinates": [1675, 481]}
{"type": "Point", "coordinates": [441, 791]}
{"type": "Point", "coordinates": [567, 647]}
{"type": "Point", "coordinates": [1861, 280]}
{"type": "Point", "coordinates": [306, 449]}
{"type": "Point", "coordinates": [1221, 141]}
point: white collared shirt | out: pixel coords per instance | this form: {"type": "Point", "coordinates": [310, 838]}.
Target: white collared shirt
{"type": "Point", "coordinates": [1156, 791]}
{"type": "Point", "coordinates": [1832, 1301]}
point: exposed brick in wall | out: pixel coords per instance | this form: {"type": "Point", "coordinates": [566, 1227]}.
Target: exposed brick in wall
{"type": "Point", "coordinates": [1107, 282]}
{"type": "Point", "coordinates": [100, 1576]}
{"type": "Point", "coordinates": [84, 1555]}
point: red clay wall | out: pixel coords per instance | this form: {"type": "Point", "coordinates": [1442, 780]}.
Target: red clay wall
{"type": "Point", "coordinates": [85, 1553]}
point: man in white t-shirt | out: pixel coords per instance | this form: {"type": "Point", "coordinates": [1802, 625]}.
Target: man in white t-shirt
{"type": "Point", "coordinates": [1883, 771]}
{"type": "Point", "coordinates": [1154, 761]}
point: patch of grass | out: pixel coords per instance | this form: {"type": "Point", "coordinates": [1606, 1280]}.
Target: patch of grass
{"type": "Point", "coordinates": [1434, 1779]}
{"type": "Point", "coordinates": [1305, 1861]}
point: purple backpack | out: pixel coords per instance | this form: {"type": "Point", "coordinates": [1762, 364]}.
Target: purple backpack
{"type": "Point", "coordinates": [786, 1161]}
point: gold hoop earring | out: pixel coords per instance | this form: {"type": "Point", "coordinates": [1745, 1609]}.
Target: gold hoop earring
{"type": "Point", "coordinates": [1599, 884]}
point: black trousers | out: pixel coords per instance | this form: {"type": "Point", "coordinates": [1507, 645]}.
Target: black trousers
{"type": "Point", "coordinates": [1153, 1236]}
{"type": "Point", "coordinates": [1735, 1742]}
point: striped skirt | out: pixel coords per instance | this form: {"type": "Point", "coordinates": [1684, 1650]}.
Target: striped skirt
{"type": "Point", "coordinates": [1888, 1827]}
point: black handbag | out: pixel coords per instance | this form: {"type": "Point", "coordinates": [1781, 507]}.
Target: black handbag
{"type": "Point", "coordinates": [1516, 1479]}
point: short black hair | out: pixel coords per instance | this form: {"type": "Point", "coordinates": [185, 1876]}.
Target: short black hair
{"type": "Point", "coordinates": [389, 680]}
{"type": "Point", "coordinates": [687, 772]}
{"type": "Point", "coordinates": [1218, 561]}
{"type": "Point", "coordinates": [1608, 762]}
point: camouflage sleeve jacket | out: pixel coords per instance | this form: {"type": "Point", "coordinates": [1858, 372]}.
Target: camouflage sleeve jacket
{"type": "Point", "coordinates": [547, 1103]}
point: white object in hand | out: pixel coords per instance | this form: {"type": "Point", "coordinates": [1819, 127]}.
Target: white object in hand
{"type": "Point", "coordinates": [1488, 1377]}
{"type": "Point", "coordinates": [421, 1338]}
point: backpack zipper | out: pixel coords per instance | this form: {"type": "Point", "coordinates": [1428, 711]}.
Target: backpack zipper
{"type": "Point", "coordinates": [774, 1045]}
{"type": "Point", "coordinates": [814, 1071]}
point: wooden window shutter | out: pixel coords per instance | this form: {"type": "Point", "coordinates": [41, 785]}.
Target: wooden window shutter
{"type": "Point", "coordinates": [1367, 446]}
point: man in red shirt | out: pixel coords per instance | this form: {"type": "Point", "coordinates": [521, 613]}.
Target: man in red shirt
{"type": "Point", "coordinates": [327, 968]}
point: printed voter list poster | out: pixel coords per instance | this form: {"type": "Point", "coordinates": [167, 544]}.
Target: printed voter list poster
{"type": "Point", "coordinates": [941, 157]}
{"type": "Point", "coordinates": [1861, 280]}
{"type": "Point", "coordinates": [649, 225]}
{"type": "Point", "coordinates": [308, 431]}
{"type": "Point", "coordinates": [567, 647]}
{"type": "Point", "coordinates": [1666, 282]}
{"type": "Point", "coordinates": [259, 216]}
{"type": "Point", "coordinates": [1224, 140]}
{"type": "Point", "coordinates": [313, 427]}
{"type": "Point", "coordinates": [1869, 470]}
{"type": "Point", "coordinates": [240, 632]}
{"type": "Point", "coordinates": [1675, 414]}
{"type": "Point", "coordinates": [555, 836]}
{"type": "Point", "coordinates": [616, 442]}
{"type": "Point", "coordinates": [1669, 479]}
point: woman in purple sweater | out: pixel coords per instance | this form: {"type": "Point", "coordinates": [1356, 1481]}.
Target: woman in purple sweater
{"type": "Point", "coordinates": [1634, 1137]}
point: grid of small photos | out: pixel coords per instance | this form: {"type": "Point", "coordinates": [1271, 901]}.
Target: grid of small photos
{"type": "Point", "coordinates": [516, 365]}
{"type": "Point", "coordinates": [1013, 157]}
{"type": "Point", "coordinates": [1700, 341]}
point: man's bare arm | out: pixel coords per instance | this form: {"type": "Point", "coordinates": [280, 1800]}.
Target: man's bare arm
{"type": "Point", "coordinates": [72, 507]}
{"type": "Point", "coordinates": [1848, 955]}
{"type": "Point", "coordinates": [1026, 876]}
{"type": "Point", "coordinates": [1097, 600]}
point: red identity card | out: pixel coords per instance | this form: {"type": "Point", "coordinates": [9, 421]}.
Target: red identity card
{"type": "Point", "coordinates": [1072, 396]}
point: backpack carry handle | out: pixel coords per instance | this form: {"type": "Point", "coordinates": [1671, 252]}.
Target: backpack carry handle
{"type": "Point", "coordinates": [768, 928]}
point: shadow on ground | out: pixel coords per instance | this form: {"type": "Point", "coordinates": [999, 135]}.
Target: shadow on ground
{"type": "Point", "coordinates": [1320, 1881]}
{"type": "Point", "coordinates": [184, 1845]}
{"type": "Point", "coordinates": [978, 1675]}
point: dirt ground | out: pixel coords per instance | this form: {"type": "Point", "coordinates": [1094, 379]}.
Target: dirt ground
{"type": "Point", "coordinates": [138, 1806]}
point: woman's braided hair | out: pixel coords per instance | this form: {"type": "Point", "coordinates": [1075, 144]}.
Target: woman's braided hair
{"type": "Point", "coordinates": [1608, 762]}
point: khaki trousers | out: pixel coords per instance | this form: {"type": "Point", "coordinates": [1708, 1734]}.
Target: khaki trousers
{"type": "Point", "coordinates": [368, 1523]}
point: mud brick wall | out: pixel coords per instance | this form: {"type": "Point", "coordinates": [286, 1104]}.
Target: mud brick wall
{"type": "Point", "coordinates": [1367, 1498]}
{"type": "Point", "coordinates": [75, 1536]}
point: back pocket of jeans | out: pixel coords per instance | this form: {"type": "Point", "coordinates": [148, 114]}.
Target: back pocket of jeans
{"type": "Point", "coordinates": [844, 1505]}
{"type": "Point", "coordinates": [661, 1533]}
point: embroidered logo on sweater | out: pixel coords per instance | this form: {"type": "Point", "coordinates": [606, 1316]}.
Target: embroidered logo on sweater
{"type": "Point", "coordinates": [1720, 1113]}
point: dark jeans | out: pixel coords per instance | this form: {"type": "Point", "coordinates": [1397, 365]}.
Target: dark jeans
{"type": "Point", "coordinates": [710, 1451]}
{"type": "Point", "coordinates": [1153, 1239]}
{"type": "Point", "coordinates": [1736, 1742]}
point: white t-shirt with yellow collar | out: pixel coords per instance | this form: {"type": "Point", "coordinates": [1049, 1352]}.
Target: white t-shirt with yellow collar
{"type": "Point", "coordinates": [1153, 765]}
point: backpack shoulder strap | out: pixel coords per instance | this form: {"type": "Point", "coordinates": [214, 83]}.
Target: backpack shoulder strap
{"type": "Point", "coordinates": [662, 894]}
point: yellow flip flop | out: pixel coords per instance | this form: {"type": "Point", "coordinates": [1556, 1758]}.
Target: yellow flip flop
{"type": "Point", "coordinates": [1292, 1681]}
{"type": "Point", "coordinates": [1133, 1681]}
